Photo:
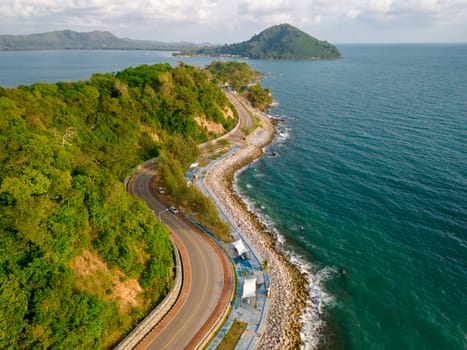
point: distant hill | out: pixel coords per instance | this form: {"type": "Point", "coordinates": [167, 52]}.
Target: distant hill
{"type": "Point", "coordinates": [96, 40]}
{"type": "Point", "coordinates": [282, 42]}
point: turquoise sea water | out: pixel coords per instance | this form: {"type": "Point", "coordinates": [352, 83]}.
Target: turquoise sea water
{"type": "Point", "coordinates": [368, 188]}
{"type": "Point", "coordinates": [28, 67]}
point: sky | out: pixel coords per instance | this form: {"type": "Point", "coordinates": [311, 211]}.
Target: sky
{"type": "Point", "coordinates": [229, 21]}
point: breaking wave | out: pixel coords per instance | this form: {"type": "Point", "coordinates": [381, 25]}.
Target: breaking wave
{"type": "Point", "coordinates": [311, 318]}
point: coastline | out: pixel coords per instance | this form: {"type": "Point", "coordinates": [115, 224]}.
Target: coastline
{"type": "Point", "coordinates": [288, 285]}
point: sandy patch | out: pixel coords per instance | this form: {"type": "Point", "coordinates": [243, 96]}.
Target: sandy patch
{"type": "Point", "coordinates": [94, 275]}
{"type": "Point", "coordinates": [210, 125]}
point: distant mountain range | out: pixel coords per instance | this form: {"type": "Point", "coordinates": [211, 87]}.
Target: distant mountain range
{"type": "Point", "coordinates": [96, 40]}
{"type": "Point", "coordinates": [278, 42]}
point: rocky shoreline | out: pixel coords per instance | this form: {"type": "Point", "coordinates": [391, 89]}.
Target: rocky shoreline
{"type": "Point", "coordinates": [288, 285]}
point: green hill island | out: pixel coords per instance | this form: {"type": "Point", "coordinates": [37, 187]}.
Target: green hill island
{"type": "Point", "coordinates": [280, 42]}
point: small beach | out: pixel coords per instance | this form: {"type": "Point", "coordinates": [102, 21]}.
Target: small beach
{"type": "Point", "coordinates": [288, 285]}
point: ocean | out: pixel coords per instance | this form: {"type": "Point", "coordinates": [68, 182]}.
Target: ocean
{"type": "Point", "coordinates": [368, 189]}
{"type": "Point", "coordinates": [365, 184]}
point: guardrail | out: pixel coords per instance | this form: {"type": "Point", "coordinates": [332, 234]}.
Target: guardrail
{"type": "Point", "coordinates": [138, 334]}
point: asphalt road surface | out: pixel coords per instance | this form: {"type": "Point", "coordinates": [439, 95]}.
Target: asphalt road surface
{"type": "Point", "coordinates": [245, 119]}
{"type": "Point", "coordinates": [208, 273]}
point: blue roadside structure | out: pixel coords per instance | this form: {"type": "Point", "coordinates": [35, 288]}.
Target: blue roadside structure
{"type": "Point", "coordinates": [251, 310]}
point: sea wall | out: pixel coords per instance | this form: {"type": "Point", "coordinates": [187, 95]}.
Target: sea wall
{"type": "Point", "coordinates": [288, 285]}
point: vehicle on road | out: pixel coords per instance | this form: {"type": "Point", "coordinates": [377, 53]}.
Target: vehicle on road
{"type": "Point", "coordinates": [173, 210]}
{"type": "Point", "coordinates": [161, 190]}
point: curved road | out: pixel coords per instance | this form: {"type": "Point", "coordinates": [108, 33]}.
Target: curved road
{"type": "Point", "coordinates": [245, 119]}
{"type": "Point", "coordinates": [207, 285]}
{"type": "Point", "coordinates": [243, 113]}
{"type": "Point", "coordinates": [245, 122]}
{"type": "Point", "coordinates": [208, 276]}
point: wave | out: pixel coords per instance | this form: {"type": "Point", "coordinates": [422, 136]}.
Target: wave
{"type": "Point", "coordinates": [282, 135]}
{"type": "Point", "coordinates": [282, 130]}
{"type": "Point", "coordinates": [311, 319]}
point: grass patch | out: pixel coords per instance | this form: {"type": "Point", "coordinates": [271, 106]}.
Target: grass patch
{"type": "Point", "coordinates": [257, 122]}
{"type": "Point", "coordinates": [232, 337]}
{"type": "Point", "coordinates": [223, 142]}
{"type": "Point", "coordinates": [246, 131]}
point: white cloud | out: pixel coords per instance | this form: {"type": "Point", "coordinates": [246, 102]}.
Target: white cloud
{"type": "Point", "coordinates": [263, 8]}
{"type": "Point", "coordinates": [232, 20]}
{"type": "Point", "coordinates": [389, 9]}
{"type": "Point", "coordinates": [112, 10]}
{"type": "Point", "coordinates": [267, 12]}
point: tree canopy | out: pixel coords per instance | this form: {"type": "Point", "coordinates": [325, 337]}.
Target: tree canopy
{"type": "Point", "coordinates": [239, 76]}
{"type": "Point", "coordinates": [70, 236]}
{"type": "Point", "coordinates": [279, 42]}
{"type": "Point", "coordinates": [236, 74]}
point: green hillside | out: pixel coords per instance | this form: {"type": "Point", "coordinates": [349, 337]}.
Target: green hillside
{"type": "Point", "coordinates": [235, 74]}
{"type": "Point", "coordinates": [96, 40]}
{"type": "Point", "coordinates": [81, 261]}
{"type": "Point", "coordinates": [240, 76]}
{"type": "Point", "coordinates": [65, 39]}
{"type": "Point", "coordinates": [281, 42]}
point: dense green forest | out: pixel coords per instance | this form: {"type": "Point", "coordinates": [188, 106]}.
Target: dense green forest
{"type": "Point", "coordinates": [239, 76]}
{"type": "Point", "coordinates": [258, 97]}
{"type": "Point", "coordinates": [81, 261]}
{"type": "Point", "coordinates": [279, 42]}
{"type": "Point", "coordinates": [236, 74]}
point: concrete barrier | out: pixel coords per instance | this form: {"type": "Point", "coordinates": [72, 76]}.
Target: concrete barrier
{"type": "Point", "coordinates": [138, 334]}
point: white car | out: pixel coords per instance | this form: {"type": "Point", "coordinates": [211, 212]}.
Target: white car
{"type": "Point", "coordinates": [161, 190]}
{"type": "Point", "coordinates": [173, 210]}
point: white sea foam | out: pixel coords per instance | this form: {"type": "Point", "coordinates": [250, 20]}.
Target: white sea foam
{"type": "Point", "coordinates": [311, 319]}
{"type": "Point", "coordinates": [282, 130]}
